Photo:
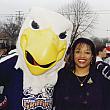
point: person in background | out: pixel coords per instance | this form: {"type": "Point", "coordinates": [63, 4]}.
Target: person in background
{"type": "Point", "coordinates": [100, 53]}
{"type": "Point", "coordinates": [80, 86]}
{"type": "Point", "coordinates": [107, 60]}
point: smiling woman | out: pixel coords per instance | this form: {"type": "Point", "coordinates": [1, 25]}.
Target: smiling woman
{"type": "Point", "coordinates": [80, 85]}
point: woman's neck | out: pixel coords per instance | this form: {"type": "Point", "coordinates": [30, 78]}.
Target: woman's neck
{"type": "Point", "coordinates": [81, 71]}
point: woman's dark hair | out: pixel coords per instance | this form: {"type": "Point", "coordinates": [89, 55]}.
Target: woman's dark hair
{"type": "Point", "coordinates": [71, 63]}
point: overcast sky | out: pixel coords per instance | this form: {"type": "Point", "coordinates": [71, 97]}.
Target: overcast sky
{"type": "Point", "coordinates": [101, 6]}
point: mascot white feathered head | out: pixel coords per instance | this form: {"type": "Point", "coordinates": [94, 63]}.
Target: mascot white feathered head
{"type": "Point", "coordinates": [43, 41]}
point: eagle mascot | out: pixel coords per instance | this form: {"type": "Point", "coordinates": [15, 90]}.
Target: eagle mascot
{"type": "Point", "coordinates": [27, 76]}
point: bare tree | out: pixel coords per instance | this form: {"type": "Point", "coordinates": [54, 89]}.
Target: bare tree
{"type": "Point", "coordinates": [11, 28]}
{"type": "Point", "coordinates": [97, 41]}
{"type": "Point", "coordinates": [81, 16]}
{"type": "Point", "coordinates": [1, 26]}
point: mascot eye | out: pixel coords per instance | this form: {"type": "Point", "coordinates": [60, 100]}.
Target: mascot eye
{"type": "Point", "coordinates": [34, 25]}
{"type": "Point", "coordinates": [62, 35]}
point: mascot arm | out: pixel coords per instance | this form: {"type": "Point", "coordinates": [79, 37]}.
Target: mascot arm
{"type": "Point", "coordinates": [104, 68]}
{"type": "Point", "coordinates": [6, 79]}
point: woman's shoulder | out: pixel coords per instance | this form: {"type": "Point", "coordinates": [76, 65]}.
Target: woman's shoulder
{"type": "Point", "coordinates": [64, 70]}
{"type": "Point", "coordinates": [64, 73]}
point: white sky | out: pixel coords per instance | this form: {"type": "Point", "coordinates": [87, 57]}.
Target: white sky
{"type": "Point", "coordinates": [102, 7]}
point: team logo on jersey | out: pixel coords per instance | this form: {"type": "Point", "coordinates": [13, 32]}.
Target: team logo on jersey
{"type": "Point", "coordinates": [41, 100]}
{"type": "Point", "coordinates": [33, 103]}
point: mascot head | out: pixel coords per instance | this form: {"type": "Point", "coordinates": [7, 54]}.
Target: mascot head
{"type": "Point", "coordinates": [43, 40]}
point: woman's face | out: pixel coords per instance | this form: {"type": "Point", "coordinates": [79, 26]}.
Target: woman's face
{"type": "Point", "coordinates": [82, 55]}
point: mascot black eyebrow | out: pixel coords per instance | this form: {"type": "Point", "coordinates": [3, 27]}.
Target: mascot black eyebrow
{"type": "Point", "coordinates": [29, 75]}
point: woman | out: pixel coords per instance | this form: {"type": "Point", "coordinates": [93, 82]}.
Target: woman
{"type": "Point", "coordinates": [80, 86]}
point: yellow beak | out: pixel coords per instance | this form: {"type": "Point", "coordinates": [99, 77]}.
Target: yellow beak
{"type": "Point", "coordinates": [42, 49]}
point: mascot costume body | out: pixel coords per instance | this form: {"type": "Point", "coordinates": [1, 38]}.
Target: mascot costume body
{"type": "Point", "coordinates": [28, 76]}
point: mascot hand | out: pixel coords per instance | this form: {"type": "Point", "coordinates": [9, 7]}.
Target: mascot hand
{"type": "Point", "coordinates": [104, 68]}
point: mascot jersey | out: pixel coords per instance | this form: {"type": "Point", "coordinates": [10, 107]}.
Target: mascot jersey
{"type": "Point", "coordinates": [27, 77]}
